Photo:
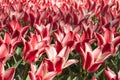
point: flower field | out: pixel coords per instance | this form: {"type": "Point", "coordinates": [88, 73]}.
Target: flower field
{"type": "Point", "coordinates": [59, 39]}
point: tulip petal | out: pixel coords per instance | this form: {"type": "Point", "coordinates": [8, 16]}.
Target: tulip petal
{"type": "Point", "coordinates": [27, 47]}
{"type": "Point", "coordinates": [58, 64]}
{"type": "Point", "coordinates": [7, 38]}
{"type": "Point", "coordinates": [96, 53]}
{"type": "Point", "coordinates": [33, 40]}
{"type": "Point", "coordinates": [110, 74]}
{"type": "Point", "coordinates": [3, 52]}
{"type": "Point", "coordinates": [58, 46]}
{"type": "Point", "coordinates": [94, 67]}
{"type": "Point", "coordinates": [50, 64]}
{"type": "Point", "coordinates": [89, 60]}
{"type": "Point", "coordinates": [51, 51]}
{"type": "Point", "coordinates": [70, 62]}
{"type": "Point", "coordinates": [32, 56]}
{"type": "Point", "coordinates": [67, 38]}
{"type": "Point", "coordinates": [106, 48]}
{"type": "Point", "coordinates": [88, 48]}
{"type": "Point", "coordinates": [50, 76]}
{"type": "Point", "coordinates": [9, 74]}
{"type": "Point", "coordinates": [108, 35]}
{"type": "Point", "coordinates": [100, 39]}
{"type": "Point", "coordinates": [31, 75]}
{"type": "Point", "coordinates": [24, 31]}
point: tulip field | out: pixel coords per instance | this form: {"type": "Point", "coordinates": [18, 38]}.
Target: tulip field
{"type": "Point", "coordinates": [59, 39]}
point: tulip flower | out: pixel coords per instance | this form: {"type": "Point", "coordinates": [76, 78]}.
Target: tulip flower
{"type": "Point", "coordinates": [110, 75]}
{"type": "Point", "coordinates": [6, 74]}
{"type": "Point", "coordinates": [58, 61]}
{"type": "Point", "coordinates": [42, 73]}
{"type": "Point", "coordinates": [33, 49]}
{"type": "Point", "coordinates": [108, 40]}
{"type": "Point", "coordinates": [91, 60]}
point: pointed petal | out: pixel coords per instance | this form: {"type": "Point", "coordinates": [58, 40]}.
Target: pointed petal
{"type": "Point", "coordinates": [33, 41]}
{"type": "Point", "coordinates": [67, 38]}
{"type": "Point", "coordinates": [88, 48]}
{"type": "Point", "coordinates": [58, 46]}
{"type": "Point", "coordinates": [51, 53]}
{"type": "Point", "coordinates": [50, 76]}
{"type": "Point", "coordinates": [1, 69]}
{"type": "Point", "coordinates": [103, 57]}
{"type": "Point", "coordinates": [42, 69]}
{"type": "Point", "coordinates": [31, 75]}
{"type": "Point", "coordinates": [100, 39]}
{"type": "Point", "coordinates": [110, 74]}
{"type": "Point", "coordinates": [58, 64]}
{"type": "Point", "coordinates": [106, 48]}
{"type": "Point", "coordinates": [108, 35]}
{"type": "Point", "coordinates": [70, 62]}
{"type": "Point", "coordinates": [27, 47]}
{"type": "Point", "coordinates": [94, 67]}
{"type": "Point", "coordinates": [9, 74]}
{"type": "Point", "coordinates": [7, 38]}
{"type": "Point", "coordinates": [50, 65]}
{"type": "Point", "coordinates": [24, 31]}
{"type": "Point", "coordinates": [96, 53]}
{"type": "Point", "coordinates": [89, 60]}
{"type": "Point", "coordinates": [31, 56]}
{"type": "Point", "coordinates": [3, 51]}
{"type": "Point", "coordinates": [62, 52]}
{"type": "Point", "coordinates": [116, 41]}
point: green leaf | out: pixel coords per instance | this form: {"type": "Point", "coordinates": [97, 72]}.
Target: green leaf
{"type": "Point", "coordinates": [28, 78]}
{"type": "Point", "coordinates": [17, 64]}
{"type": "Point", "coordinates": [69, 78]}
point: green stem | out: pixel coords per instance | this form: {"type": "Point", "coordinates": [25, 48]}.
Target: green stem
{"type": "Point", "coordinates": [27, 67]}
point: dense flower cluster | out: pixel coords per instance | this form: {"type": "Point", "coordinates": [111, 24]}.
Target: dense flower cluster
{"type": "Point", "coordinates": [56, 28]}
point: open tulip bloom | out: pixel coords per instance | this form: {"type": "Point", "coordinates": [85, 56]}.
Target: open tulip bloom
{"type": "Point", "coordinates": [59, 39]}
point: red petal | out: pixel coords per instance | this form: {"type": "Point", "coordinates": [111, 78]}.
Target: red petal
{"type": "Point", "coordinates": [58, 46]}
{"type": "Point", "coordinates": [110, 74]}
{"type": "Point", "coordinates": [50, 65]}
{"type": "Point", "coordinates": [70, 62]}
{"type": "Point", "coordinates": [58, 64]}
{"type": "Point", "coordinates": [67, 38]}
{"type": "Point", "coordinates": [96, 53]}
{"type": "Point", "coordinates": [31, 56]}
{"type": "Point", "coordinates": [94, 67]}
{"type": "Point", "coordinates": [31, 75]}
{"type": "Point", "coordinates": [89, 60]}
{"type": "Point", "coordinates": [3, 51]}
{"type": "Point", "coordinates": [51, 51]}
{"type": "Point", "coordinates": [24, 31]}
{"type": "Point", "coordinates": [27, 47]}
{"type": "Point", "coordinates": [9, 74]}
{"type": "Point", "coordinates": [75, 19]}
{"type": "Point", "coordinates": [7, 38]}
{"type": "Point", "coordinates": [50, 76]}
{"type": "Point", "coordinates": [33, 41]}
{"type": "Point", "coordinates": [100, 39]}
{"type": "Point", "coordinates": [108, 35]}
{"type": "Point", "coordinates": [106, 48]}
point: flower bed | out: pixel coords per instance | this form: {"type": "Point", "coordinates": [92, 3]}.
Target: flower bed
{"type": "Point", "coordinates": [59, 39]}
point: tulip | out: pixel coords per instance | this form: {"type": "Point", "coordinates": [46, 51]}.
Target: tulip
{"type": "Point", "coordinates": [6, 74]}
{"type": "Point", "coordinates": [91, 60]}
{"type": "Point", "coordinates": [42, 73]}
{"type": "Point", "coordinates": [110, 75]}
{"type": "Point", "coordinates": [108, 40]}
{"type": "Point", "coordinates": [33, 49]}
{"type": "Point", "coordinates": [58, 61]}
